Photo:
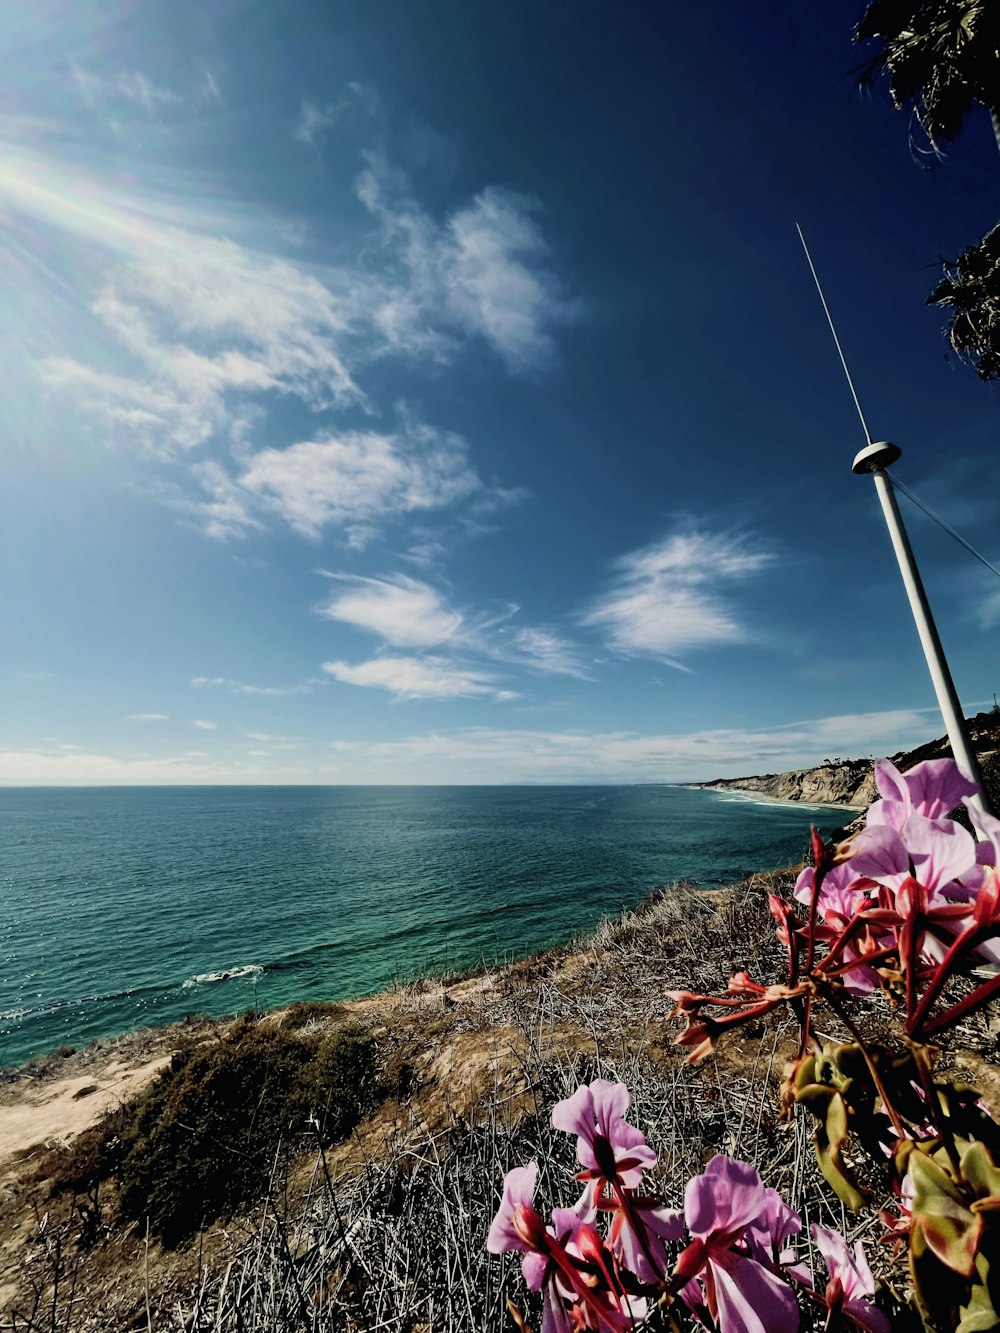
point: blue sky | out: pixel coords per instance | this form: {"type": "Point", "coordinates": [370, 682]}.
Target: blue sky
{"type": "Point", "coordinates": [417, 392]}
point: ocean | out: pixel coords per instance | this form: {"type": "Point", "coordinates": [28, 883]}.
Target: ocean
{"type": "Point", "coordinates": [130, 907]}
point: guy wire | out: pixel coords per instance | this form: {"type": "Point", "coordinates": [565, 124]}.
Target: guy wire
{"type": "Point", "coordinates": [946, 526]}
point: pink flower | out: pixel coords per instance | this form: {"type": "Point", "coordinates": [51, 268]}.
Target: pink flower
{"type": "Point", "coordinates": [838, 887]}
{"type": "Point", "coordinates": [933, 789]}
{"type": "Point", "coordinates": [639, 1235]}
{"type": "Point", "coordinates": [566, 1261]}
{"type": "Point", "coordinates": [851, 1284]}
{"type": "Point", "coordinates": [720, 1209]}
{"type": "Point", "coordinates": [609, 1149]}
{"type": "Point", "coordinates": [517, 1226]}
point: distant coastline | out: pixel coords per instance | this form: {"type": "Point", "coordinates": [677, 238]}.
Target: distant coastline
{"type": "Point", "coordinates": [765, 798]}
{"type": "Point", "coordinates": [849, 784]}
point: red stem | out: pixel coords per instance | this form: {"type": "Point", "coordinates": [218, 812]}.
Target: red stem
{"type": "Point", "coordinates": [819, 874]}
{"type": "Point", "coordinates": [969, 939]}
{"type": "Point", "coordinates": [971, 1002]}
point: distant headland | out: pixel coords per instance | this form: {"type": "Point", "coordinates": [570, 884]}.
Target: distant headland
{"type": "Point", "coordinates": [851, 782]}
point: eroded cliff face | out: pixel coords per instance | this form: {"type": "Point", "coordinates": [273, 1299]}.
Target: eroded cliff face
{"type": "Point", "coordinates": [838, 784]}
{"type": "Point", "coordinates": [852, 781]}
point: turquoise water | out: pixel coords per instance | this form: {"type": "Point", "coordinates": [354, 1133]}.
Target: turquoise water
{"type": "Point", "coordinates": [126, 907]}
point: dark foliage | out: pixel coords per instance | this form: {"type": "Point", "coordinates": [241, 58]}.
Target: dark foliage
{"type": "Point", "coordinates": [204, 1138]}
{"type": "Point", "coordinates": [971, 291]}
{"type": "Point", "coordinates": [942, 58]}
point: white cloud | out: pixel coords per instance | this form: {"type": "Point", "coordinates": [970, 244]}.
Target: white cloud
{"type": "Point", "coordinates": [240, 687]}
{"type": "Point", "coordinates": [267, 738]}
{"type": "Point", "coordinates": [34, 768]}
{"type": "Point", "coordinates": [483, 272]}
{"type": "Point", "coordinates": [409, 613]}
{"type": "Point", "coordinates": [545, 651]}
{"type": "Point", "coordinates": [204, 725]}
{"type": "Point", "coordinates": [987, 610]}
{"type": "Point", "coordinates": [666, 600]}
{"type": "Point", "coordinates": [130, 86]}
{"type": "Point", "coordinates": [314, 121]}
{"type": "Point", "coordinates": [208, 322]}
{"type": "Point", "coordinates": [494, 755]}
{"type": "Point", "coordinates": [193, 318]}
{"type": "Point", "coordinates": [495, 279]}
{"type": "Point", "coordinates": [405, 612]}
{"type": "Point", "coordinates": [415, 678]}
{"type": "Point", "coordinates": [357, 480]}
{"type": "Point", "coordinates": [208, 89]}
{"type": "Point", "coordinates": [226, 510]}
{"type": "Point", "coordinates": [148, 717]}
{"type": "Point", "coordinates": [955, 491]}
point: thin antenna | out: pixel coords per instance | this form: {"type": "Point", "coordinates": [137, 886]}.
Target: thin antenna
{"type": "Point", "coordinates": [829, 320]}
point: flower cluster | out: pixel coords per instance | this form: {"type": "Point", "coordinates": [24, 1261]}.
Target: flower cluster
{"type": "Point", "coordinates": [903, 906]}
{"type": "Point", "coordinates": [603, 1263]}
{"type": "Point", "coordinates": [910, 908]}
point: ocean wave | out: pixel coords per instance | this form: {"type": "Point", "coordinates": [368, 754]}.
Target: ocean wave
{"type": "Point", "coordinates": [226, 974]}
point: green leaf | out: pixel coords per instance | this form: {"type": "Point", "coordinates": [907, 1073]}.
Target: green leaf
{"type": "Point", "coordinates": [979, 1313]}
{"type": "Point", "coordinates": [950, 1229]}
{"type": "Point", "coordinates": [983, 1176]}
{"type": "Point", "coordinates": [831, 1136]}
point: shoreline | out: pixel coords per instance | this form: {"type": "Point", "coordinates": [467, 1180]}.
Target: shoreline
{"type": "Point", "coordinates": [449, 1053]}
{"type": "Point", "coordinates": [765, 799]}
{"type": "Point", "coordinates": [465, 1070]}
{"type": "Point", "coordinates": [138, 1046]}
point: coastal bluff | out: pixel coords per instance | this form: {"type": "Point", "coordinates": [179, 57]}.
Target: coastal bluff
{"type": "Point", "coordinates": [851, 782]}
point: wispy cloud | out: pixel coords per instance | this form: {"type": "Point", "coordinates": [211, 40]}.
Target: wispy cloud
{"type": "Point", "coordinates": [207, 316]}
{"type": "Point", "coordinates": [358, 479]}
{"type": "Point", "coordinates": [148, 717]}
{"type": "Point", "coordinates": [213, 326]}
{"type": "Point", "coordinates": [484, 754]}
{"type": "Point", "coordinates": [403, 611]}
{"type": "Point", "coordinates": [409, 613]}
{"type": "Point", "coordinates": [215, 323]}
{"type": "Point", "coordinates": [241, 687]}
{"type": "Point", "coordinates": [87, 769]}
{"type": "Point", "coordinates": [987, 606]}
{"type": "Point", "coordinates": [129, 86]}
{"type": "Point", "coordinates": [668, 599]}
{"type": "Point", "coordinates": [954, 490]}
{"type": "Point", "coordinates": [492, 755]}
{"type": "Point", "coordinates": [204, 725]}
{"type": "Point", "coordinates": [418, 678]}
{"type": "Point", "coordinates": [543, 650]}
{"type": "Point", "coordinates": [482, 272]}
{"type": "Point", "coordinates": [315, 121]}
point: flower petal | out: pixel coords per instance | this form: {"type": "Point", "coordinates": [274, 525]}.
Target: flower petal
{"type": "Point", "coordinates": [611, 1101]}
{"type": "Point", "coordinates": [937, 787]}
{"type": "Point", "coordinates": [750, 1298]}
{"type": "Point", "coordinates": [518, 1191]}
{"type": "Point", "coordinates": [941, 850]}
{"type": "Point", "coordinates": [727, 1197]}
